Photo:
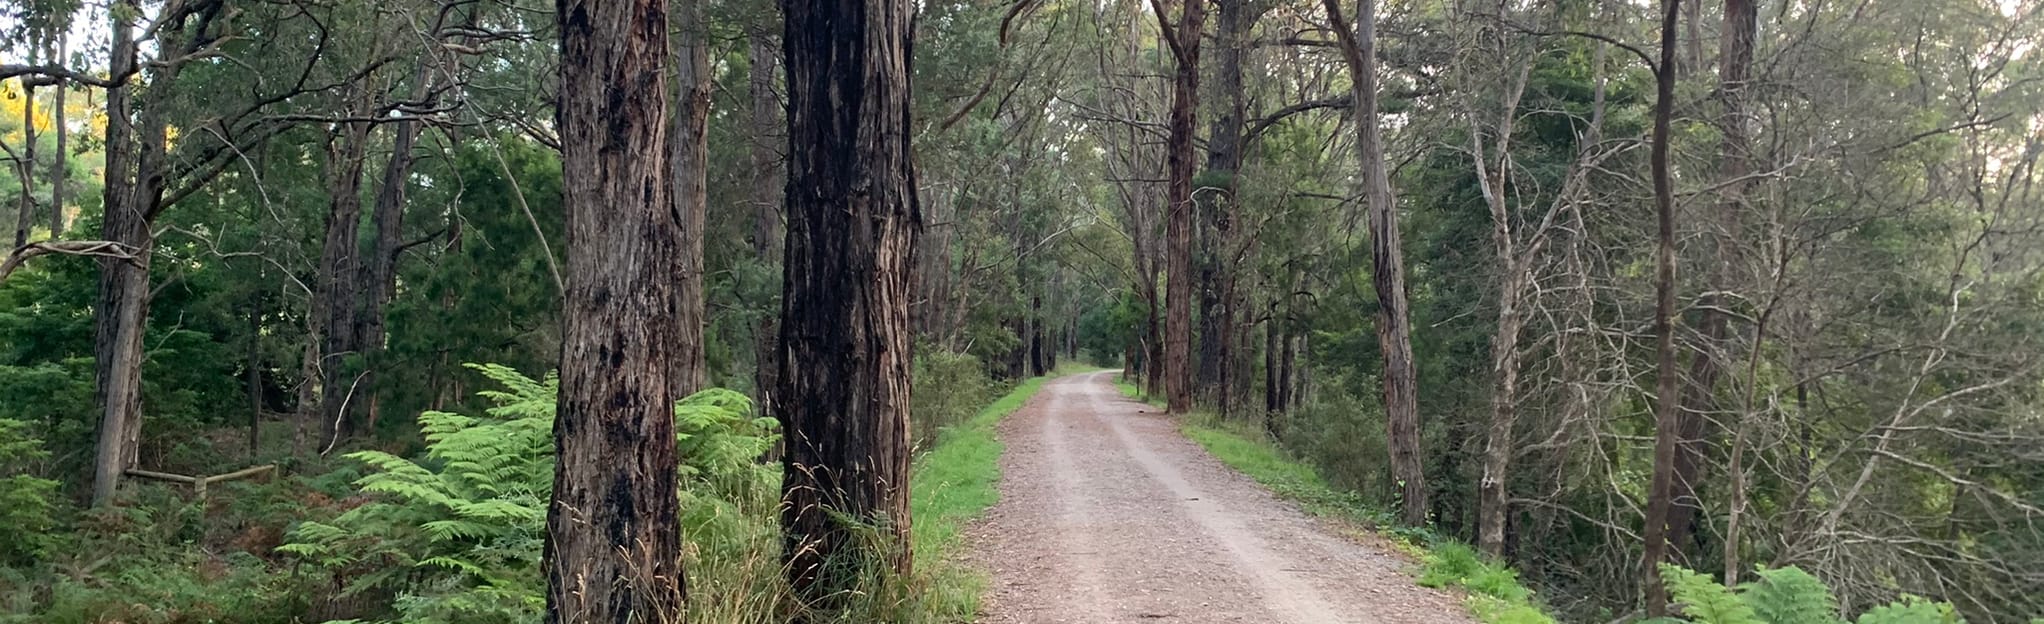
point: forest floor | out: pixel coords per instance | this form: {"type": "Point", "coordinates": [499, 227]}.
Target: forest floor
{"type": "Point", "coordinates": [1108, 514]}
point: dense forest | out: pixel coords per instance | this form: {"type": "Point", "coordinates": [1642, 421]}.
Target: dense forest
{"type": "Point", "coordinates": [652, 310]}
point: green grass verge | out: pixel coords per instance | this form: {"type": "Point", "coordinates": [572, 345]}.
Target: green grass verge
{"type": "Point", "coordinates": [1495, 594]}
{"type": "Point", "coordinates": [954, 483]}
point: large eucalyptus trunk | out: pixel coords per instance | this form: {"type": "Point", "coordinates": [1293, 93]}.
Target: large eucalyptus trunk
{"type": "Point", "coordinates": [1184, 40]}
{"type": "Point", "coordinates": [689, 158]}
{"type": "Point", "coordinates": [339, 280]}
{"type": "Point", "coordinates": [132, 193]}
{"type": "Point", "coordinates": [845, 357]}
{"type": "Point", "coordinates": [613, 546]}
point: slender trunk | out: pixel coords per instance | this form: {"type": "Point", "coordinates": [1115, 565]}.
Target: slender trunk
{"type": "Point", "coordinates": [1514, 276]}
{"type": "Point", "coordinates": [253, 372]}
{"type": "Point", "coordinates": [1184, 43]}
{"type": "Point", "coordinates": [613, 551]}
{"type": "Point", "coordinates": [60, 169]}
{"type": "Point", "coordinates": [1272, 336]}
{"type": "Point", "coordinates": [25, 169]}
{"type": "Point", "coordinates": [688, 166]}
{"type": "Point", "coordinates": [766, 196]}
{"type": "Point", "coordinates": [845, 358]}
{"type": "Point", "coordinates": [1661, 489]}
{"type": "Point", "coordinates": [1394, 334]}
{"type": "Point", "coordinates": [308, 381]}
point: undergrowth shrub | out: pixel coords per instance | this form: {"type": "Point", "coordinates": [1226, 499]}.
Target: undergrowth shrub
{"type": "Point", "coordinates": [1783, 596]}
{"type": "Point", "coordinates": [949, 389]}
{"type": "Point", "coordinates": [28, 504]}
{"type": "Point", "coordinates": [455, 537]}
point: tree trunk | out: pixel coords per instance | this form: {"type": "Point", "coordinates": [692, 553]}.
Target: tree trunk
{"type": "Point", "coordinates": [1666, 408]}
{"type": "Point", "coordinates": [339, 268]}
{"type": "Point", "coordinates": [613, 551]}
{"type": "Point", "coordinates": [377, 282]}
{"type": "Point", "coordinates": [123, 304]}
{"type": "Point", "coordinates": [1735, 58]}
{"type": "Point", "coordinates": [1218, 311]}
{"type": "Point", "coordinates": [689, 158]}
{"type": "Point", "coordinates": [25, 168]}
{"type": "Point", "coordinates": [845, 358]}
{"type": "Point", "coordinates": [766, 196]}
{"type": "Point", "coordinates": [1514, 276]}
{"type": "Point", "coordinates": [253, 373]}
{"type": "Point", "coordinates": [1394, 339]}
{"type": "Point", "coordinates": [1184, 40]}
{"type": "Point", "coordinates": [60, 166]}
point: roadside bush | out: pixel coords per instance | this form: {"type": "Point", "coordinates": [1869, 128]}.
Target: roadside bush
{"type": "Point", "coordinates": [949, 389]}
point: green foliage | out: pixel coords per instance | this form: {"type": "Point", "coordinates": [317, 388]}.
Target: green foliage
{"type": "Point", "coordinates": [949, 389]}
{"type": "Point", "coordinates": [1784, 596]}
{"type": "Point", "coordinates": [1704, 600]}
{"type": "Point", "coordinates": [28, 504]}
{"type": "Point", "coordinates": [456, 535]}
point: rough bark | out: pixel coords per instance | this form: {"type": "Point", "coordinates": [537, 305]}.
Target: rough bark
{"type": "Point", "coordinates": [1184, 41]}
{"type": "Point", "coordinates": [1666, 407]}
{"type": "Point", "coordinates": [1394, 334]}
{"type": "Point", "coordinates": [688, 165]}
{"type": "Point", "coordinates": [377, 282]}
{"type": "Point", "coordinates": [845, 360]}
{"type": "Point", "coordinates": [134, 182]}
{"type": "Point", "coordinates": [1218, 309]}
{"type": "Point", "coordinates": [613, 547]}
{"type": "Point", "coordinates": [339, 267]}
{"type": "Point", "coordinates": [765, 160]}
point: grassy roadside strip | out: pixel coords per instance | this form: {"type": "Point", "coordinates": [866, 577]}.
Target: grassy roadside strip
{"type": "Point", "coordinates": [1495, 595]}
{"type": "Point", "coordinates": [954, 483]}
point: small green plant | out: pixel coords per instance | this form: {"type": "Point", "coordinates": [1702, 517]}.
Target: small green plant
{"type": "Point", "coordinates": [1783, 596]}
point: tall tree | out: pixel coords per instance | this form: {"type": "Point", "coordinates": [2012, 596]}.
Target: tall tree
{"type": "Point", "coordinates": [1735, 68]}
{"type": "Point", "coordinates": [613, 551]}
{"type": "Point", "coordinates": [1183, 41]}
{"type": "Point", "coordinates": [1667, 427]}
{"type": "Point", "coordinates": [764, 161]}
{"type": "Point", "coordinates": [1394, 315]}
{"type": "Point", "coordinates": [688, 164]}
{"type": "Point", "coordinates": [845, 358]}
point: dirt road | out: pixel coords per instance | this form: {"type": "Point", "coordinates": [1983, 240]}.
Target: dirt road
{"type": "Point", "coordinates": [1108, 514]}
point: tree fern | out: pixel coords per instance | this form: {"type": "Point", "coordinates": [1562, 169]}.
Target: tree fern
{"type": "Point", "coordinates": [1784, 596]}
{"type": "Point", "coordinates": [1791, 596]}
{"type": "Point", "coordinates": [456, 534]}
{"type": "Point", "coordinates": [1704, 600]}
